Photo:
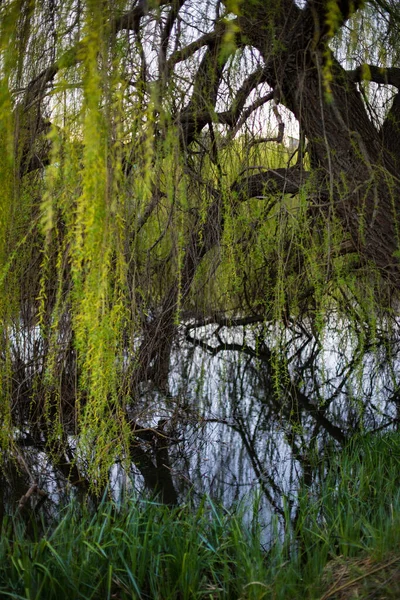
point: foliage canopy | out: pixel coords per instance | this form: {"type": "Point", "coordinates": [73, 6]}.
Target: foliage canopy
{"type": "Point", "coordinates": [166, 162]}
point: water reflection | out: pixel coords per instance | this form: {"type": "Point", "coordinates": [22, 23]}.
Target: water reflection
{"type": "Point", "coordinates": [249, 408]}
{"type": "Point", "coordinates": [267, 412]}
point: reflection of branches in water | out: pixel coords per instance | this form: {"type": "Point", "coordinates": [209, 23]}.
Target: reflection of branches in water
{"type": "Point", "coordinates": [245, 410]}
{"type": "Point", "coordinates": [314, 398]}
{"type": "Point", "coordinates": [290, 388]}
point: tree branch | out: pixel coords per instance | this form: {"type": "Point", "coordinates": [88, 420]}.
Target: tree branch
{"type": "Point", "coordinates": [131, 20]}
{"type": "Point", "coordinates": [286, 181]}
{"type": "Point", "coordinates": [330, 16]}
{"type": "Point", "coordinates": [380, 75]}
{"type": "Point", "coordinates": [165, 36]}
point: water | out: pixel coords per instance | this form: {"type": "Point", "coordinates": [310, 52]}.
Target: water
{"type": "Point", "coordinates": [250, 417]}
{"type": "Point", "coordinates": [246, 415]}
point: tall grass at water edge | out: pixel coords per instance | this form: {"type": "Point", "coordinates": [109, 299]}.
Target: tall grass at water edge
{"type": "Point", "coordinates": [143, 550]}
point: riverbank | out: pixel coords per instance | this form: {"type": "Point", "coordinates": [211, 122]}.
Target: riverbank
{"type": "Point", "coordinates": [342, 543]}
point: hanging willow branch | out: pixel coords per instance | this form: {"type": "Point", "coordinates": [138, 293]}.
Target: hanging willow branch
{"type": "Point", "coordinates": [144, 185]}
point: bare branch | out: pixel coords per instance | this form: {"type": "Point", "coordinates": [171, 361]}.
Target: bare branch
{"type": "Point", "coordinates": [190, 49]}
{"type": "Point", "coordinates": [285, 181]}
{"type": "Point", "coordinates": [34, 489]}
{"type": "Point", "coordinates": [383, 76]}
{"type": "Point", "coordinates": [131, 20]}
{"type": "Point", "coordinates": [166, 34]}
{"type": "Point", "coordinates": [232, 116]}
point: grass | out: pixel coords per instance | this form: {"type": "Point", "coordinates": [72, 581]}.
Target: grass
{"type": "Point", "coordinates": [344, 544]}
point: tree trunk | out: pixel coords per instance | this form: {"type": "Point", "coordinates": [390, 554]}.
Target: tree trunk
{"type": "Point", "coordinates": [353, 167]}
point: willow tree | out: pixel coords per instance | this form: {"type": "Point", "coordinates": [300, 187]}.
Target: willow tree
{"type": "Point", "coordinates": [147, 182]}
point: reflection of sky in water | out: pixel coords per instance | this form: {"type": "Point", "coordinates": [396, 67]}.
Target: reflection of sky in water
{"type": "Point", "coordinates": [237, 428]}
{"type": "Point", "coordinates": [231, 392]}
